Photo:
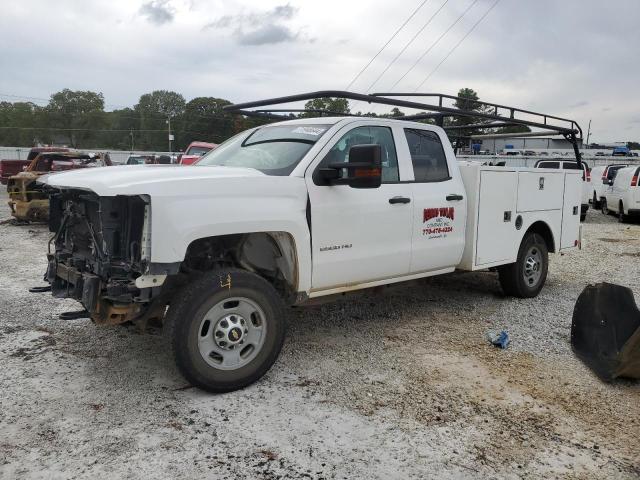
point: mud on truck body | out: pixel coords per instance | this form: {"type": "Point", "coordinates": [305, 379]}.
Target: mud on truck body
{"type": "Point", "coordinates": [293, 210]}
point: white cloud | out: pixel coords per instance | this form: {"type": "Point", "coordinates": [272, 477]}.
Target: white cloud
{"type": "Point", "coordinates": [157, 12]}
{"type": "Point", "coordinates": [573, 58]}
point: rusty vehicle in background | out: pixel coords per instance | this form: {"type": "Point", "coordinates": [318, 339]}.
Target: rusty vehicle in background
{"type": "Point", "coordinates": [9, 168]}
{"type": "Point", "coordinates": [27, 201]}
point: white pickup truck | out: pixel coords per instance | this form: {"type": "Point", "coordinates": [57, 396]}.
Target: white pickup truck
{"type": "Point", "coordinates": [286, 212]}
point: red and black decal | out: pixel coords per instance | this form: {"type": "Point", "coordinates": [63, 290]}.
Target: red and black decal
{"type": "Point", "coordinates": [444, 212]}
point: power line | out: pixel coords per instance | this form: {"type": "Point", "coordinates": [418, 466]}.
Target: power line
{"type": "Point", "coordinates": [406, 46]}
{"type": "Point", "coordinates": [385, 45]}
{"type": "Point", "coordinates": [434, 44]}
{"type": "Point", "coordinates": [457, 45]}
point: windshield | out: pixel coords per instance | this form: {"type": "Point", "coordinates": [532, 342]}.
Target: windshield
{"type": "Point", "coordinates": [273, 150]}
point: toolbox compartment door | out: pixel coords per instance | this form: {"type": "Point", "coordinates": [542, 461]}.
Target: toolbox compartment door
{"type": "Point", "coordinates": [571, 210]}
{"type": "Point", "coordinates": [496, 216]}
{"type": "Point", "coordinates": [540, 191]}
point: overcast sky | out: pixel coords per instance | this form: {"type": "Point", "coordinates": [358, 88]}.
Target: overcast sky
{"type": "Point", "coordinates": [574, 58]}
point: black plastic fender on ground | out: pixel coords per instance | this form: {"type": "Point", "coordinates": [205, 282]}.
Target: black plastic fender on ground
{"type": "Point", "coordinates": [605, 331]}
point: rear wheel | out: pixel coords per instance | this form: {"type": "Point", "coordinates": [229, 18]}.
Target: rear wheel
{"type": "Point", "coordinates": [622, 218]}
{"type": "Point", "coordinates": [227, 328]}
{"type": "Point", "coordinates": [526, 277]}
{"type": "Point", "coordinates": [605, 209]}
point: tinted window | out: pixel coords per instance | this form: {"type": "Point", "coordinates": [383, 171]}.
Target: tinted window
{"type": "Point", "coordinates": [612, 170]}
{"type": "Point", "coordinates": [382, 136]}
{"type": "Point", "coordinates": [549, 165]}
{"type": "Point", "coordinates": [427, 156]}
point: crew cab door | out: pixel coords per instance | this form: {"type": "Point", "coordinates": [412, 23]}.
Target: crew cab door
{"type": "Point", "coordinates": [440, 207]}
{"type": "Point", "coordinates": [359, 235]}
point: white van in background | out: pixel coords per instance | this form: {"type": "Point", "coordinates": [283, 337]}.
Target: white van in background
{"type": "Point", "coordinates": [623, 196]}
{"type": "Point", "coordinates": [599, 185]}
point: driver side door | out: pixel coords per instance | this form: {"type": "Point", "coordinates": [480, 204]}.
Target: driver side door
{"type": "Point", "coordinates": [359, 235]}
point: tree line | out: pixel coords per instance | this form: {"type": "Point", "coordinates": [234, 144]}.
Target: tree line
{"type": "Point", "coordinates": [79, 119]}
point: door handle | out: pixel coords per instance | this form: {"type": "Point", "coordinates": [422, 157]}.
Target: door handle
{"type": "Point", "coordinates": [454, 196]}
{"type": "Point", "coordinates": [395, 200]}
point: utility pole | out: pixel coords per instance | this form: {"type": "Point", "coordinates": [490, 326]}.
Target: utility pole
{"type": "Point", "coordinates": [588, 133]}
{"type": "Point", "coordinates": [170, 136]}
{"type": "Point", "coordinates": [131, 133]}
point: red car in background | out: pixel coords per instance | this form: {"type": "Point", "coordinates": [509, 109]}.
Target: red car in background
{"type": "Point", "coordinates": [194, 151]}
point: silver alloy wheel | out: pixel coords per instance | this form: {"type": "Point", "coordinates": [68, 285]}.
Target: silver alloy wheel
{"type": "Point", "coordinates": [232, 333]}
{"type": "Point", "coordinates": [532, 266]}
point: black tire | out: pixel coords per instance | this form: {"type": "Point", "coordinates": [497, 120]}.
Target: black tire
{"type": "Point", "coordinates": [596, 203]}
{"type": "Point", "coordinates": [605, 208]}
{"type": "Point", "coordinates": [190, 307]}
{"type": "Point", "coordinates": [512, 277]}
{"type": "Point", "coordinates": [622, 218]}
{"type": "Point", "coordinates": [583, 216]}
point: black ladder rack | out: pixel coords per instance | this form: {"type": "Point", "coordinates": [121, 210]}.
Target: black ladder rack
{"type": "Point", "coordinates": [494, 115]}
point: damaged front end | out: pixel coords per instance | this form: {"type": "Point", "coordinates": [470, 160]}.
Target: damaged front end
{"type": "Point", "coordinates": [101, 250]}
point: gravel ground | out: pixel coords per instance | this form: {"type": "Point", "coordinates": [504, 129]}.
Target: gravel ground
{"type": "Point", "coordinates": [398, 383]}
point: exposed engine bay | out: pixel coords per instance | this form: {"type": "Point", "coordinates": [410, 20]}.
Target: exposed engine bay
{"type": "Point", "coordinates": [98, 252]}
{"type": "Point", "coordinates": [100, 255]}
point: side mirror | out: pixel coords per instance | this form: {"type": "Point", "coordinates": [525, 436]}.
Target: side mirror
{"type": "Point", "coordinates": [364, 168]}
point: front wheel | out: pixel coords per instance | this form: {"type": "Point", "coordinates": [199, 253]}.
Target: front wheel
{"type": "Point", "coordinates": [605, 208]}
{"type": "Point", "coordinates": [526, 277]}
{"type": "Point", "coordinates": [227, 328]}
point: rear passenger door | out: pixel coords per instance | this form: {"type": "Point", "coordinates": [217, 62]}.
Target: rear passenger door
{"type": "Point", "coordinates": [440, 206]}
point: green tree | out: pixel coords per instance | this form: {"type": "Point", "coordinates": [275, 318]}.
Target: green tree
{"type": "Point", "coordinates": [469, 101]}
{"type": "Point", "coordinates": [395, 113]}
{"type": "Point", "coordinates": [124, 125]}
{"type": "Point", "coordinates": [155, 109]}
{"type": "Point", "coordinates": [334, 105]}
{"type": "Point", "coordinates": [20, 122]}
{"type": "Point", "coordinates": [79, 113]}
{"type": "Point", "coordinates": [204, 119]}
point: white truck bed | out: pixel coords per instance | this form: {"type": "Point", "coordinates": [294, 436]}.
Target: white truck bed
{"type": "Point", "coordinates": [498, 198]}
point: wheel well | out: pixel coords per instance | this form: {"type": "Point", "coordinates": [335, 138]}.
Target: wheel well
{"type": "Point", "coordinates": [272, 255]}
{"type": "Point", "coordinates": [542, 229]}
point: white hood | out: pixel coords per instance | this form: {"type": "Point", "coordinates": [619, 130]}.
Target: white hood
{"type": "Point", "coordinates": [145, 179]}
